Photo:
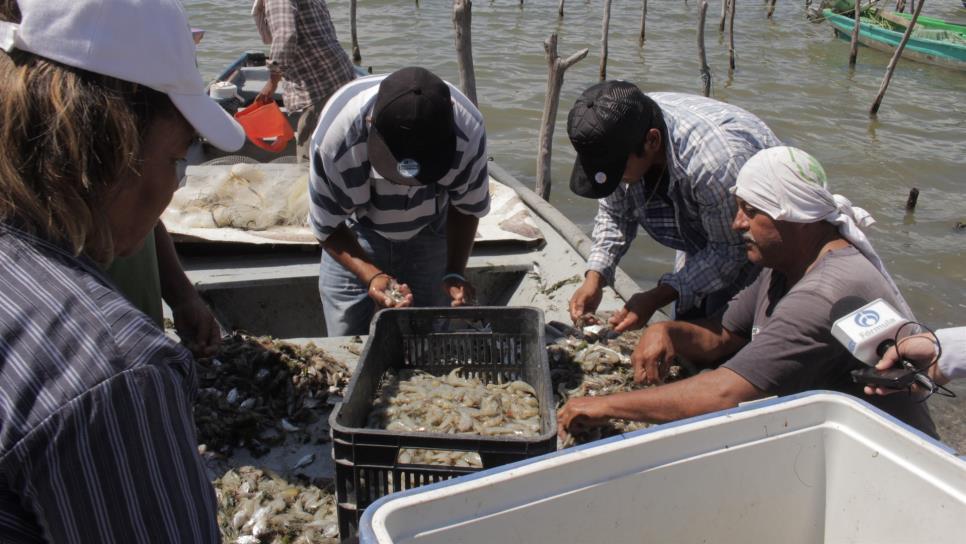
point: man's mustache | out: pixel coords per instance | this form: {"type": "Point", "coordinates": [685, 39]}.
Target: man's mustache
{"type": "Point", "coordinates": [747, 237]}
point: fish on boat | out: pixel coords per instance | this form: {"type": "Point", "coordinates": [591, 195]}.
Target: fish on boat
{"type": "Point", "coordinates": [933, 41]}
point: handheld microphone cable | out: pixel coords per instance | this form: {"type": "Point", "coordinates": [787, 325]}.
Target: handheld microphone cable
{"type": "Point", "coordinates": [922, 378]}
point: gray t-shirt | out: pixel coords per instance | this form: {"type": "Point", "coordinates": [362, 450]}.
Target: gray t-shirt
{"type": "Point", "coordinates": [792, 348]}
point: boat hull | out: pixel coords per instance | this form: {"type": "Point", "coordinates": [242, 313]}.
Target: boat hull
{"type": "Point", "coordinates": [932, 52]}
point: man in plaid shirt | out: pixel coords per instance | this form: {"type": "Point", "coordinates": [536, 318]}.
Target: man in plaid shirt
{"type": "Point", "coordinates": [306, 53]}
{"type": "Point", "coordinates": [677, 155]}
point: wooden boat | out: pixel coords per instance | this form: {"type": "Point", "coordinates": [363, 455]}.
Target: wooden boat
{"type": "Point", "coordinates": [270, 287]}
{"type": "Point", "coordinates": [945, 45]}
{"type": "Point", "coordinates": [267, 284]}
{"type": "Point", "coordinates": [904, 19]}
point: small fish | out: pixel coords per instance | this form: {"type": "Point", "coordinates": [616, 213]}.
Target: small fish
{"type": "Point", "coordinates": [304, 462]}
{"type": "Point", "coordinates": [394, 292]}
{"type": "Point", "coordinates": [288, 427]}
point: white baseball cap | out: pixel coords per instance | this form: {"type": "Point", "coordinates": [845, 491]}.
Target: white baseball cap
{"type": "Point", "coordinates": [142, 41]}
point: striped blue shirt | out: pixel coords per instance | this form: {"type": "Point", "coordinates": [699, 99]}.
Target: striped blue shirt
{"type": "Point", "coordinates": [708, 142]}
{"type": "Point", "coordinates": [97, 441]}
{"type": "Point", "coordinates": [343, 186]}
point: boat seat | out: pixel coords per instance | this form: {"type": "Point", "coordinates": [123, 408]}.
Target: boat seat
{"type": "Point", "coordinates": [250, 81]}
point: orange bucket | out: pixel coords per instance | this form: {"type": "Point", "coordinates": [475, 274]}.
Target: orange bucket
{"type": "Point", "coordinates": [266, 126]}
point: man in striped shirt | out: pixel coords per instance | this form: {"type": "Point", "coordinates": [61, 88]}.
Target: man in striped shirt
{"type": "Point", "coordinates": [397, 186]}
{"type": "Point", "coordinates": [663, 162]}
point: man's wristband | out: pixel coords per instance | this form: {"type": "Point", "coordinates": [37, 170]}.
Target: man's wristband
{"type": "Point", "coordinates": [374, 276]}
{"type": "Point", "coordinates": [454, 276]}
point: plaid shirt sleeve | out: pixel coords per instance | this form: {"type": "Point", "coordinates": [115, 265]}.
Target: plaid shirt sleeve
{"type": "Point", "coordinates": [718, 263]}
{"type": "Point", "coordinates": [614, 230]}
{"type": "Point", "coordinates": [281, 16]}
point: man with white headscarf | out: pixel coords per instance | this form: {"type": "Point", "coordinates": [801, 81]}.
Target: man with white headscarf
{"type": "Point", "coordinates": [777, 331]}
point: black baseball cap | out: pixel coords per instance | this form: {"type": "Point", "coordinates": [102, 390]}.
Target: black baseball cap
{"type": "Point", "coordinates": [412, 139]}
{"type": "Point", "coordinates": [607, 123]}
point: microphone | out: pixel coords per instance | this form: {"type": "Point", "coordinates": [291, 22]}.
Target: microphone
{"type": "Point", "coordinates": [868, 330]}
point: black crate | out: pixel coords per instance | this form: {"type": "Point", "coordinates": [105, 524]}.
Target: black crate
{"type": "Point", "coordinates": [491, 343]}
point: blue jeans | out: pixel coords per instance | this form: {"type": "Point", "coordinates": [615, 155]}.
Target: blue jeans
{"type": "Point", "coordinates": [419, 262]}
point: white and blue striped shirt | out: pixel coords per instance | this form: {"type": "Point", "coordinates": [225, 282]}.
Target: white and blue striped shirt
{"type": "Point", "coordinates": [343, 186]}
{"type": "Point", "coordinates": [97, 441]}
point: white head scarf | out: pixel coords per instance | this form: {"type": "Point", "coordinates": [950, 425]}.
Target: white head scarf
{"type": "Point", "coordinates": [788, 184]}
{"type": "Point", "coordinates": [261, 21]}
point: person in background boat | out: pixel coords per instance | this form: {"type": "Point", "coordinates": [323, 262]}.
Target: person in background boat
{"type": "Point", "coordinates": [397, 184]}
{"type": "Point", "coordinates": [664, 162]}
{"type": "Point", "coordinates": [97, 440]}
{"type": "Point", "coordinates": [924, 351]}
{"type": "Point", "coordinates": [153, 274]}
{"type": "Point", "coordinates": [306, 54]}
{"type": "Point", "coordinates": [777, 331]}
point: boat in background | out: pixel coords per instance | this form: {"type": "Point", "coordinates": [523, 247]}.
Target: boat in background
{"type": "Point", "coordinates": [933, 41]}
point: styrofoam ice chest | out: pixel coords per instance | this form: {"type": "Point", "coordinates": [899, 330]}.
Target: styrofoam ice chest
{"type": "Point", "coordinates": [814, 467]}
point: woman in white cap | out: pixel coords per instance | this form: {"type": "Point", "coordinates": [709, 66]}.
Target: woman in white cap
{"type": "Point", "coordinates": [99, 99]}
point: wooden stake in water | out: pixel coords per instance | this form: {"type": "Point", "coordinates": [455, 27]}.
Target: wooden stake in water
{"type": "Point", "coordinates": [731, 37]}
{"type": "Point", "coordinates": [724, 13]}
{"type": "Point", "coordinates": [462, 22]}
{"type": "Point", "coordinates": [854, 44]}
{"type": "Point", "coordinates": [605, 28]}
{"type": "Point", "coordinates": [912, 200]}
{"type": "Point", "coordinates": [551, 100]}
{"type": "Point", "coordinates": [771, 8]}
{"type": "Point", "coordinates": [356, 55]}
{"type": "Point", "coordinates": [874, 110]}
{"type": "Point", "coordinates": [705, 71]}
{"type": "Point", "coordinates": [560, 8]}
{"type": "Point", "coordinates": [641, 39]}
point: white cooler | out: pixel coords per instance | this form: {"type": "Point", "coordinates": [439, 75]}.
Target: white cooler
{"type": "Point", "coordinates": [814, 467]}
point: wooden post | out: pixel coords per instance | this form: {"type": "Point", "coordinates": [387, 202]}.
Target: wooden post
{"type": "Point", "coordinates": [560, 8]}
{"type": "Point", "coordinates": [356, 55]}
{"type": "Point", "coordinates": [912, 200]}
{"type": "Point", "coordinates": [874, 110]}
{"type": "Point", "coordinates": [705, 71]}
{"type": "Point", "coordinates": [854, 44]}
{"type": "Point", "coordinates": [605, 28]}
{"type": "Point", "coordinates": [551, 100]}
{"type": "Point", "coordinates": [900, 5]}
{"type": "Point", "coordinates": [724, 14]}
{"type": "Point", "coordinates": [643, 23]}
{"type": "Point", "coordinates": [771, 8]}
{"type": "Point", "coordinates": [462, 21]}
{"type": "Point", "coordinates": [731, 37]}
